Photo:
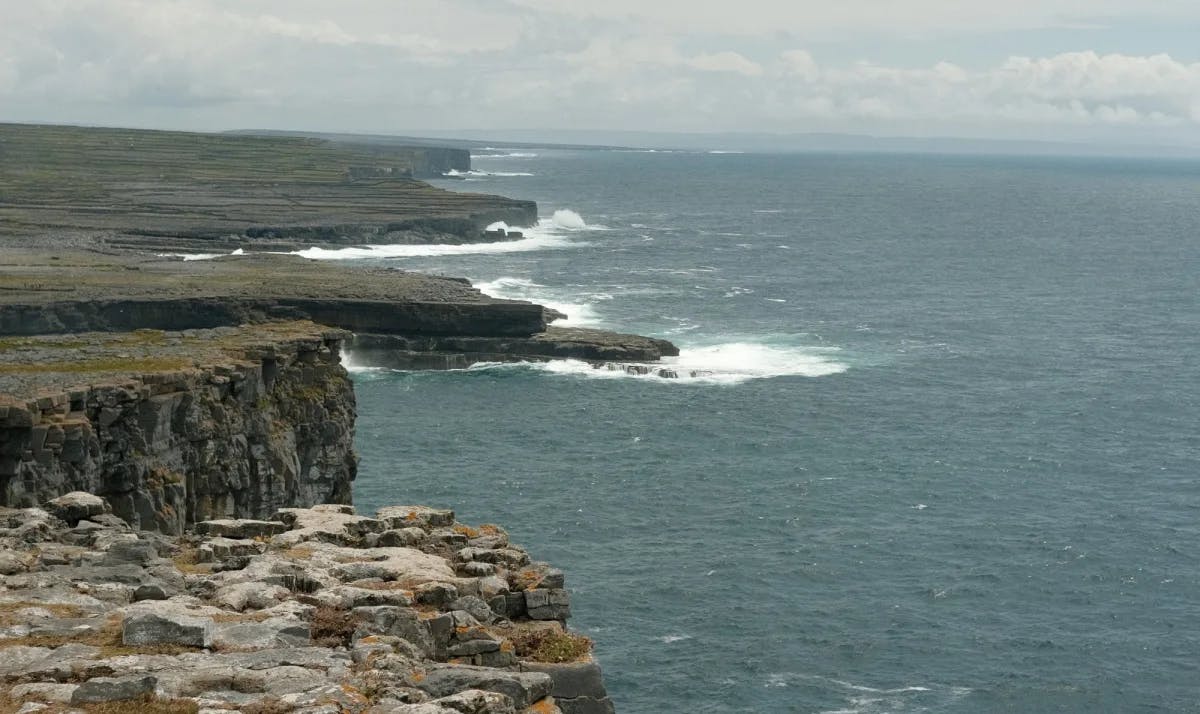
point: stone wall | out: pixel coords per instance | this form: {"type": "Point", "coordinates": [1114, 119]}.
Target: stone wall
{"type": "Point", "coordinates": [241, 439]}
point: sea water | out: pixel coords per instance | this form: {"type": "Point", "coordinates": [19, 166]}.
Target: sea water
{"type": "Point", "coordinates": [934, 448]}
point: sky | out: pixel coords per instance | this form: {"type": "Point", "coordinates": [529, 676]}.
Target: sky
{"type": "Point", "coordinates": [1124, 71]}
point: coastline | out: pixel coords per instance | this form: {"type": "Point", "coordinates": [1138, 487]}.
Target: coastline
{"type": "Point", "coordinates": [174, 393]}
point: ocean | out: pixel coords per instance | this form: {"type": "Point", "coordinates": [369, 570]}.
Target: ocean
{"type": "Point", "coordinates": [935, 448]}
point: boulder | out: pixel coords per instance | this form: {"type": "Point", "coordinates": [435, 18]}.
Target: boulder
{"type": "Point", "coordinates": [250, 596]}
{"type": "Point", "coordinates": [272, 633]}
{"type": "Point", "coordinates": [306, 524]}
{"type": "Point", "coordinates": [548, 604]}
{"type": "Point", "coordinates": [149, 592]}
{"type": "Point", "coordinates": [112, 689]}
{"type": "Point", "coordinates": [167, 628]}
{"type": "Point", "coordinates": [571, 679]}
{"type": "Point", "coordinates": [77, 506]}
{"type": "Point", "coordinates": [11, 563]}
{"type": "Point", "coordinates": [240, 528]}
{"type": "Point", "coordinates": [419, 516]}
{"type": "Point", "coordinates": [44, 692]}
{"type": "Point", "coordinates": [400, 538]}
{"type": "Point", "coordinates": [477, 701]}
{"type": "Point", "coordinates": [400, 622]}
{"type": "Point", "coordinates": [523, 688]}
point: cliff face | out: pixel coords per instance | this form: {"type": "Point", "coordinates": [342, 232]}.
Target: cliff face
{"type": "Point", "coordinates": [268, 426]}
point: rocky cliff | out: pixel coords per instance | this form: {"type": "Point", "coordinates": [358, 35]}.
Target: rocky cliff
{"type": "Point", "coordinates": [175, 428]}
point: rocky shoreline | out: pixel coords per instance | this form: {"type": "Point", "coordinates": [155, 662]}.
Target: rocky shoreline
{"type": "Point", "coordinates": [314, 611]}
{"type": "Point", "coordinates": [176, 438]}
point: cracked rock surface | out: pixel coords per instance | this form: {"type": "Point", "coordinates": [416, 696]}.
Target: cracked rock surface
{"type": "Point", "coordinates": [314, 610]}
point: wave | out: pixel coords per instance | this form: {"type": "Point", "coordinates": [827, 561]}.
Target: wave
{"type": "Point", "coordinates": [549, 234]}
{"type": "Point", "coordinates": [534, 242]}
{"type": "Point", "coordinates": [729, 363]}
{"type": "Point", "coordinates": [861, 699]}
{"type": "Point", "coordinates": [506, 155]}
{"type": "Point", "coordinates": [455, 173]}
{"type": "Point", "coordinates": [579, 314]}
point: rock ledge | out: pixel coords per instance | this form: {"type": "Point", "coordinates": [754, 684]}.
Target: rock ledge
{"type": "Point", "coordinates": [315, 611]}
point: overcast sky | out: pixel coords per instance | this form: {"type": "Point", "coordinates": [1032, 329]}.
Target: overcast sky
{"type": "Point", "coordinates": [1112, 70]}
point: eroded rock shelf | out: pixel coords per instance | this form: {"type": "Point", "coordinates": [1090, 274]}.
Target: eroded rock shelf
{"type": "Point", "coordinates": [313, 611]}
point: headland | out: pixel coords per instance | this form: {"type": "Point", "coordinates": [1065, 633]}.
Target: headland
{"type": "Point", "coordinates": [167, 394]}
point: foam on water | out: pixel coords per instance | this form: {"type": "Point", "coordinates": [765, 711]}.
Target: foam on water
{"type": "Point", "coordinates": [455, 173]}
{"type": "Point", "coordinates": [529, 243]}
{"type": "Point", "coordinates": [728, 363]}
{"type": "Point", "coordinates": [353, 368]}
{"type": "Point", "coordinates": [506, 155]}
{"type": "Point", "coordinates": [579, 314]}
{"type": "Point", "coordinates": [549, 234]}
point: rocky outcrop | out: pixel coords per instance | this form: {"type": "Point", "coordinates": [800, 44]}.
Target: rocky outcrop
{"type": "Point", "coordinates": [461, 351]}
{"type": "Point", "coordinates": [311, 615]}
{"type": "Point", "coordinates": [266, 424]}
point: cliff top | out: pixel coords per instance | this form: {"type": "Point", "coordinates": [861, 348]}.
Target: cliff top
{"type": "Point", "coordinates": [60, 183]}
{"type": "Point", "coordinates": [30, 366]}
{"type": "Point", "coordinates": [37, 276]}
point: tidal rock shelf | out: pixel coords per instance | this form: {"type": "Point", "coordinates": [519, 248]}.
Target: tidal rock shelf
{"type": "Point", "coordinates": [313, 611]}
{"type": "Point", "coordinates": [458, 352]}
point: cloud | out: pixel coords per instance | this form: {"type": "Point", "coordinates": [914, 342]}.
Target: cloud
{"type": "Point", "coordinates": [1068, 88]}
{"type": "Point", "coordinates": [817, 19]}
{"type": "Point", "coordinates": [382, 65]}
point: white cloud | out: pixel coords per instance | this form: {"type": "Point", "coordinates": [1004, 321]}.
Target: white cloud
{"type": "Point", "coordinates": [814, 19]}
{"type": "Point", "coordinates": [725, 62]}
{"type": "Point", "coordinates": [378, 64]}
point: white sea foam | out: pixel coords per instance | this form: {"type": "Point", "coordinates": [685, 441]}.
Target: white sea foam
{"type": "Point", "coordinates": [566, 218]}
{"type": "Point", "coordinates": [455, 173]}
{"type": "Point", "coordinates": [353, 368]}
{"type": "Point", "coordinates": [506, 155]}
{"type": "Point", "coordinates": [668, 639]}
{"type": "Point", "coordinates": [523, 245]}
{"type": "Point", "coordinates": [729, 363]}
{"type": "Point", "coordinates": [579, 314]}
{"type": "Point", "coordinates": [549, 234]}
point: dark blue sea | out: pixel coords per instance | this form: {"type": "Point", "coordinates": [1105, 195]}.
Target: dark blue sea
{"type": "Point", "coordinates": [941, 452]}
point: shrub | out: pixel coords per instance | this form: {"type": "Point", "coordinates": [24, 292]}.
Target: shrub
{"type": "Point", "coordinates": [554, 646]}
{"type": "Point", "coordinates": [332, 627]}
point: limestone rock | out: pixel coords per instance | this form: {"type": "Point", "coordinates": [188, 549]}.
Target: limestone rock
{"type": "Point", "coordinates": [240, 528]}
{"type": "Point", "coordinates": [252, 596]}
{"type": "Point", "coordinates": [548, 604]}
{"type": "Point", "coordinates": [111, 689]}
{"type": "Point", "coordinates": [523, 688]}
{"type": "Point", "coordinates": [76, 506]}
{"type": "Point", "coordinates": [167, 628]}
{"type": "Point", "coordinates": [418, 516]}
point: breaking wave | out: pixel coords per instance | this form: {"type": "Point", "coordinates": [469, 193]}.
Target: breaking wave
{"type": "Point", "coordinates": [724, 364]}
{"type": "Point", "coordinates": [505, 155]}
{"type": "Point", "coordinates": [473, 173]}
{"type": "Point", "coordinates": [579, 314]}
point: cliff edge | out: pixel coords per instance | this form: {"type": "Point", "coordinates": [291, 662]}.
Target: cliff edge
{"type": "Point", "coordinates": [178, 427]}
